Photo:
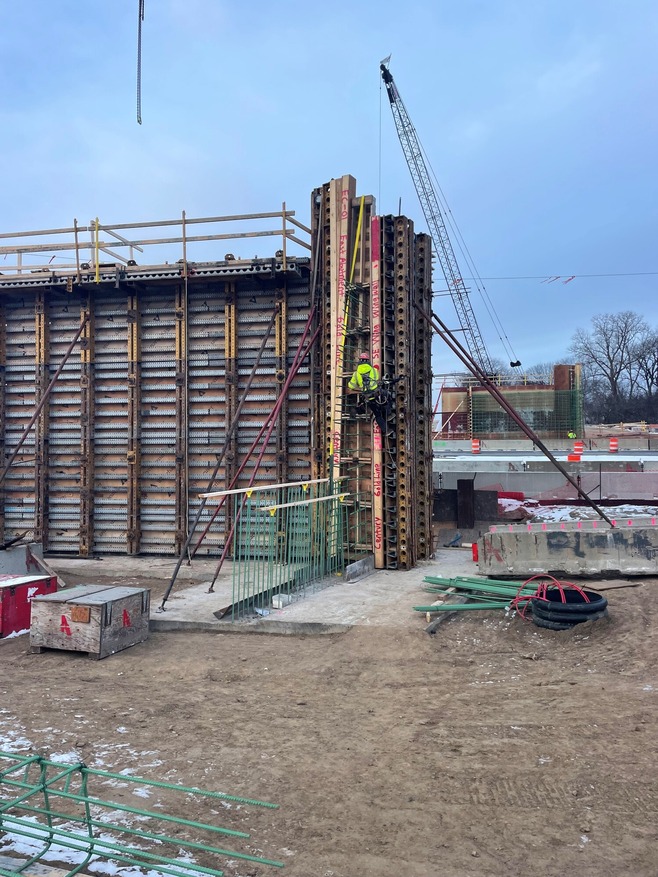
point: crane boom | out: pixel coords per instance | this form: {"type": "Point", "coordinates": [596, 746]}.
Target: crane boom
{"type": "Point", "coordinates": [436, 224]}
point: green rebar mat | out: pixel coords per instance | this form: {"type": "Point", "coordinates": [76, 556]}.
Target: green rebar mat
{"type": "Point", "coordinates": [45, 801]}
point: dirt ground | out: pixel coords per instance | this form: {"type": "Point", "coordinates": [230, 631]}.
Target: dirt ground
{"type": "Point", "coordinates": [492, 748]}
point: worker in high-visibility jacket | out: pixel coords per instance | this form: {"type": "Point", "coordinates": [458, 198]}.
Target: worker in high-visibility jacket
{"type": "Point", "coordinates": [365, 381]}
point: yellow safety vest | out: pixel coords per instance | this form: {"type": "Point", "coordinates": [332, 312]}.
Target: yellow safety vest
{"type": "Point", "coordinates": [364, 379]}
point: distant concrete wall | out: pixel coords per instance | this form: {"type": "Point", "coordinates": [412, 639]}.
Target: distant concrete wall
{"type": "Point", "coordinates": [618, 551]}
{"type": "Point", "coordinates": [638, 442]}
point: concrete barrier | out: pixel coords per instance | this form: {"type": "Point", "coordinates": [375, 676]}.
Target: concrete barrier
{"type": "Point", "coordinates": [625, 550]}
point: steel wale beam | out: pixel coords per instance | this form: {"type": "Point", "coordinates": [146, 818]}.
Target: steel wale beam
{"type": "Point", "coordinates": [444, 332]}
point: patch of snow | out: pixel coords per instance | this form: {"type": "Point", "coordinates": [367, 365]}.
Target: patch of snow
{"type": "Point", "coordinates": [17, 633]}
{"type": "Point", "coordinates": [547, 513]}
{"type": "Point", "coordinates": [142, 792]}
{"type": "Point", "coordinates": [71, 757]}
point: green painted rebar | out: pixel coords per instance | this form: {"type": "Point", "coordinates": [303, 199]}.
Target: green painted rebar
{"type": "Point", "coordinates": [147, 835]}
{"type": "Point", "coordinates": [50, 833]}
{"type": "Point", "coordinates": [75, 842]}
{"type": "Point", "coordinates": [285, 542]}
{"type": "Point", "coordinates": [461, 607]}
{"type": "Point", "coordinates": [481, 586]}
{"type": "Point", "coordinates": [472, 596]}
{"type": "Point", "coordinates": [502, 582]}
{"type": "Point", "coordinates": [189, 790]}
{"type": "Point", "coordinates": [505, 583]}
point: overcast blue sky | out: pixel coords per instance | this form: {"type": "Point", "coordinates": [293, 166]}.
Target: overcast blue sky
{"type": "Point", "coordinates": [539, 119]}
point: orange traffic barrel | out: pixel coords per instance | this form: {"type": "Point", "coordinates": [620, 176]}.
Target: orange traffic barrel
{"type": "Point", "coordinates": [578, 447]}
{"type": "Point", "coordinates": [614, 445]}
{"type": "Point", "coordinates": [475, 446]}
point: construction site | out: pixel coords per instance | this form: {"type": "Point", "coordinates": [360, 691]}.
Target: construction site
{"type": "Point", "coordinates": [337, 626]}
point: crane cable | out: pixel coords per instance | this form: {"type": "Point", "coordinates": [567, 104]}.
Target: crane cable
{"type": "Point", "coordinates": [140, 19]}
{"type": "Point", "coordinates": [466, 254]}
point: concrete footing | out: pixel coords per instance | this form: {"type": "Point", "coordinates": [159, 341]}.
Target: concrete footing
{"type": "Point", "coordinates": [587, 548]}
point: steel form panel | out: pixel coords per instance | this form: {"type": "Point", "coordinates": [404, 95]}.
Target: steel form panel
{"type": "Point", "coordinates": [134, 392]}
{"type": "Point", "coordinates": [19, 404]}
{"type": "Point", "coordinates": [206, 398]}
{"type": "Point", "coordinates": [321, 220]}
{"type": "Point", "coordinates": [404, 365]}
{"type": "Point", "coordinates": [41, 381]}
{"type": "Point", "coordinates": [389, 367]}
{"type": "Point", "coordinates": [281, 354]}
{"type": "Point", "coordinates": [422, 481]}
{"type": "Point", "coordinates": [377, 361]}
{"type": "Point", "coordinates": [114, 436]}
{"type": "Point", "coordinates": [160, 430]}
{"type": "Point", "coordinates": [231, 365]}
{"type": "Point", "coordinates": [343, 194]}
{"type": "Point", "coordinates": [64, 423]}
{"type": "Point", "coordinates": [182, 431]}
{"type": "Point", "coordinates": [3, 369]}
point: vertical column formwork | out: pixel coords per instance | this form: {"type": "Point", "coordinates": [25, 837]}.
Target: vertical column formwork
{"type": "Point", "coordinates": [86, 534]}
{"type": "Point", "coordinates": [343, 194]}
{"type": "Point", "coordinates": [422, 344]}
{"type": "Point", "coordinates": [405, 369]}
{"type": "Point", "coordinates": [377, 361]}
{"type": "Point", "coordinates": [389, 365]}
{"type": "Point", "coordinates": [133, 451]}
{"type": "Point", "coordinates": [181, 395]}
{"type": "Point", "coordinates": [321, 216]}
{"type": "Point", "coordinates": [360, 432]}
{"type": "Point", "coordinates": [41, 381]}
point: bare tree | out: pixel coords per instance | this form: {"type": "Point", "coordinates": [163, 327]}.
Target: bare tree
{"type": "Point", "coordinates": [608, 352]}
{"type": "Point", "coordinates": [620, 365]}
{"type": "Point", "coordinates": [647, 364]}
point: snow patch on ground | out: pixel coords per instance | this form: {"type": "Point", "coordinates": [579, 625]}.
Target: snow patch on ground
{"type": "Point", "coordinates": [548, 513]}
{"type": "Point", "coordinates": [17, 633]}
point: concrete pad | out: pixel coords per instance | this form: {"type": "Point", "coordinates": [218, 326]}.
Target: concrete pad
{"type": "Point", "coordinates": [382, 598]}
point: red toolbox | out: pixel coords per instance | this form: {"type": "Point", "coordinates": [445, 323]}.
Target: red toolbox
{"type": "Point", "coordinates": [16, 593]}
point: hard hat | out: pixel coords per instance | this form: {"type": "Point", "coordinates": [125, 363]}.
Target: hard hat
{"type": "Point", "coordinates": [364, 356]}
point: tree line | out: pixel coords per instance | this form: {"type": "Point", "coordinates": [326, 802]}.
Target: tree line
{"type": "Point", "coordinates": [619, 357]}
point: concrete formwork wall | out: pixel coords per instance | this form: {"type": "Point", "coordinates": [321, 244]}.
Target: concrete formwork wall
{"type": "Point", "coordinates": [131, 431]}
{"type": "Point", "coordinates": [388, 476]}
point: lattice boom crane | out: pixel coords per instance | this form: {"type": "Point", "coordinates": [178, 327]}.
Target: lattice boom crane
{"type": "Point", "coordinates": [436, 224]}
